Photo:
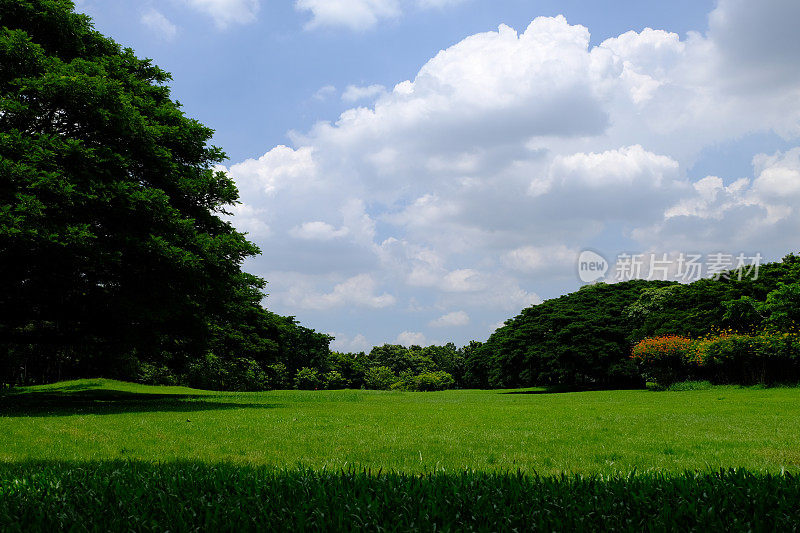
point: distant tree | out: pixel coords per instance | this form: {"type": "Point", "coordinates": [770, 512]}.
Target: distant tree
{"type": "Point", "coordinates": [782, 307]}
{"type": "Point", "coordinates": [581, 339]}
{"type": "Point", "coordinates": [350, 366]}
{"type": "Point", "coordinates": [585, 337]}
{"type": "Point", "coordinates": [477, 363]}
{"type": "Point", "coordinates": [448, 359]}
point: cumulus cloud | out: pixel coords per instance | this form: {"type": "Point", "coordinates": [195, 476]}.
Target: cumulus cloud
{"type": "Point", "coordinates": [474, 185]}
{"type": "Point", "coordinates": [358, 291]}
{"type": "Point", "coordinates": [362, 14]}
{"type": "Point", "coordinates": [540, 258]}
{"type": "Point", "coordinates": [411, 338]}
{"type": "Point", "coordinates": [156, 21]}
{"type": "Point", "coordinates": [227, 13]}
{"type": "Point", "coordinates": [280, 167]}
{"type": "Point", "coordinates": [317, 231]}
{"type": "Point", "coordinates": [351, 14]}
{"type": "Point", "coordinates": [325, 92]}
{"type": "Point", "coordinates": [456, 318]}
{"type": "Point", "coordinates": [354, 93]}
{"type": "Point", "coordinates": [755, 215]}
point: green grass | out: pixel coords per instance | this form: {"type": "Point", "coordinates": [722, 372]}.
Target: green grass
{"type": "Point", "coordinates": [132, 496]}
{"type": "Point", "coordinates": [603, 432]}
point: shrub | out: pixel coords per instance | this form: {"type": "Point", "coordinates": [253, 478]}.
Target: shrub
{"type": "Point", "coordinates": [665, 359]}
{"type": "Point", "coordinates": [379, 378]}
{"type": "Point", "coordinates": [207, 372]}
{"type": "Point", "coordinates": [278, 376]}
{"type": "Point", "coordinates": [690, 385]}
{"type": "Point", "coordinates": [307, 379]}
{"type": "Point", "coordinates": [334, 380]}
{"type": "Point", "coordinates": [767, 358]}
{"type": "Point", "coordinates": [245, 375]}
{"type": "Point", "coordinates": [433, 381]}
{"type": "Point", "coordinates": [150, 374]}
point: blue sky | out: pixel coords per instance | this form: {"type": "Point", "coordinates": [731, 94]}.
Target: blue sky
{"type": "Point", "coordinates": [417, 171]}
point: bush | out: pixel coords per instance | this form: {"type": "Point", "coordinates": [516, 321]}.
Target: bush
{"type": "Point", "coordinates": [379, 378]}
{"type": "Point", "coordinates": [307, 379]}
{"type": "Point", "coordinates": [433, 381]}
{"type": "Point", "coordinates": [690, 385]}
{"type": "Point", "coordinates": [208, 373]}
{"type": "Point", "coordinates": [767, 358]}
{"type": "Point", "coordinates": [426, 381]}
{"type": "Point", "coordinates": [667, 359]}
{"type": "Point", "coordinates": [245, 375]}
{"type": "Point", "coordinates": [334, 380]}
{"type": "Point", "coordinates": [150, 374]}
{"type": "Point", "coordinates": [278, 376]}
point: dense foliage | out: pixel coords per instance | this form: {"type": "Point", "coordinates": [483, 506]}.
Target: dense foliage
{"type": "Point", "coordinates": [396, 367]}
{"type": "Point", "coordinates": [585, 338]}
{"type": "Point", "coordinates": [130, 496]}
{"type": "Point", "coordinates": [766, 358]}
{"type": "Point", "coordinates": [115, 260]}
{"type": "Point", "coordinates": [581, 338]}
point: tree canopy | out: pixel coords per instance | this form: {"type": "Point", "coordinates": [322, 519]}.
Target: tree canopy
{"type": "Point", "coordinates": [113, 247]}
{"type": "Point", "coordinates": [585, 338]}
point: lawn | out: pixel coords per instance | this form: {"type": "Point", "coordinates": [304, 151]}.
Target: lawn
{"type": "Point", "coordinates": [602, 432]}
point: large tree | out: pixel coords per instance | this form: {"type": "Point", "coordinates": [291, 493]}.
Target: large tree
{"type": "Point", "coordinates": [111, 243]}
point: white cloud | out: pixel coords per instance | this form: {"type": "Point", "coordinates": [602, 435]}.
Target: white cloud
{"type": "Point", "coordinates": [456, 318]}
{"type": "Point", "coordinates": [361, 15]}
{"type": "Point", "coordinates": [354, 93]}
{"type": "Point", "coordinates": [250, 220]}
{"type": "Point", "coordinates": [438, 4]}
{"type": "Point", "coordinates": [279, 168]}
{"type": "Point", "coordinates": [473, 185]}
{"type": "Point", "coordinates": [540, 258]}
{"type": "Point", "coordinates": [411, 338]}
{"type": "Point", "coordinates": [352, 14]}
{"type": "Point", "coordinates": [323, 93]}
{"type": "Point", "coordinates": [358, 291]}
{"type": "Point", "coordinates": [156, 21]}
{"type": "Point", "coordinates": [317, 231]}
{"type": "Point", "coordinates": [757, 42]}
{"type": "Point", "coordinates": [496, 325]}
{"type": "Point", "coordinates": [227, 13]}
{"type": "Point", "coordinates": [754, 215]}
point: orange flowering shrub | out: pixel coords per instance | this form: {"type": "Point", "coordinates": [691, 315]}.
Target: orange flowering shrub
{"type": "Point", "coordinates": [722, 357]}
{"type": "Point", "coordinates": [665, 359]}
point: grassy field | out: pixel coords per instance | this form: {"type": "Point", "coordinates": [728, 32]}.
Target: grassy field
{"type": "Point", "coordinates": [134, 496]}
{"type": "Point", "coordinates": [532, 431]}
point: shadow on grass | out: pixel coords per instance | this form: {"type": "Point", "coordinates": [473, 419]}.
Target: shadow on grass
{"type": "Point", "coordinates": [80, 399]}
